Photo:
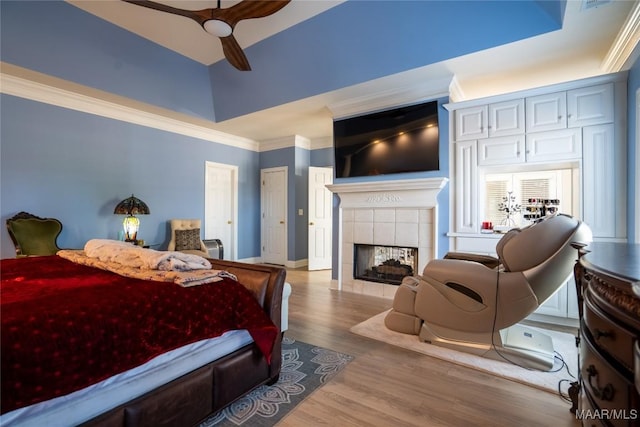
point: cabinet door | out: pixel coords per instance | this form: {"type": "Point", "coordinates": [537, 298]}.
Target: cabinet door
{"type": "Point", "coordinates": [556, 145]}
{"type": "Point", "coordinates": [546, 112]}
{"type": "Point", "coordinates": [506, 118]}
{"type": "Point", "coordinates": [501, 151]}
{"type": "Point", "coordinates": [598, 180]}
{"type": "Point", "coordinates": [466, 188]}
{"type": "Point", "coordinates": [471, 123]}
{"type": "Point", "coordinates": [590, 105]}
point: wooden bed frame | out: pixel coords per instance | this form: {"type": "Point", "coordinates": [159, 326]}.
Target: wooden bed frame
{"type": "Point", "coordinates": [189, 399]}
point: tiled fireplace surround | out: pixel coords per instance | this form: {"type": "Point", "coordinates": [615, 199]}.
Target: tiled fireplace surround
{"type": "Point", "coordinates": [387, 213]}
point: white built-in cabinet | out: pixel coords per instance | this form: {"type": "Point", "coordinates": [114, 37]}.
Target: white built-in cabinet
{"type": "Point", "coordinates": [581, 124]}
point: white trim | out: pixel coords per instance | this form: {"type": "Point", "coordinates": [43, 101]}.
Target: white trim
{"type": "Point", "coordinates": [285, 142]}
{"type": "Point", "coordinates": [379, 187]}
{"type": "Point", "coordinates": [252, 260]}
{"type": "Point", "coordinates": [543, 90]}
{"type": "Point", "coordinates": [74, 99]}
{"type": "Point", "coordinates": [624, 44]}
{"type": "Point", "coordinates": [234, 204]}
{"type": "Point", "coordinates": [297, 263]}
{"type": "Point", "coordinates": [456, 93]}
{"type": "Point", "coordinates": [322, 142]}
{"type": "Point", "coordinates": [284, 169]}
{"type": "Point", "coordinates": [430, 89]}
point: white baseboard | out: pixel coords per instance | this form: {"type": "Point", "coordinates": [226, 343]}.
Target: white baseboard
{"type": "Point", "coordinates": [252, 260]}
{"type": "Point", "coordinates": [297, 264]}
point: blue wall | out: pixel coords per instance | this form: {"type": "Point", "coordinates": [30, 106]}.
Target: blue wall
{"type": "Point", "coordinates": [322, 157]}
{"type": "Point", "coordinates": [58, 39]}
{"type": "Point", "coordinates": [76, 167]}
{"type": "Point", "coordinates": [358, 41]}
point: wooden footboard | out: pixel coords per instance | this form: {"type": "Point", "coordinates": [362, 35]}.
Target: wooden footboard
{"type": "Point", "coordinates": [189, 399]}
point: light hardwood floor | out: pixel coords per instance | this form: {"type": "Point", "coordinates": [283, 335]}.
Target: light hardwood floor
{"type": "Point", "coordinates": [389, 386]}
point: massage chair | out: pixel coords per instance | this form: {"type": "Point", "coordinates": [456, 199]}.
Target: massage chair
{"type": "Point", "coordinates": [473, 303]}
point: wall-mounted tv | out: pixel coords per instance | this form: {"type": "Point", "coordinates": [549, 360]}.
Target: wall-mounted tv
{"type": "Point", "coordinates": [394, 141]}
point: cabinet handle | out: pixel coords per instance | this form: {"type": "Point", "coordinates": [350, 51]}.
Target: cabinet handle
{"type": "Point", "coordinates": [605, 393]}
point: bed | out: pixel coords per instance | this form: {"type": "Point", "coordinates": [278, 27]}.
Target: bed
{"type": "Point", "coordinates": [191, 374]}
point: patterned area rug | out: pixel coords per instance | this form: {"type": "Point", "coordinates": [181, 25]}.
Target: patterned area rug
{"type": "Point", "coordinates": [304, 369]}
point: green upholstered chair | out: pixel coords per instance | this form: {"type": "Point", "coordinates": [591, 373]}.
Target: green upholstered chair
{"type": "Point", "coordinates": [32, 235]}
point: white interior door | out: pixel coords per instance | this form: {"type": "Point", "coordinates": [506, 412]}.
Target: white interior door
{"type": "Point", "coordinates": [320, 218]}
{"type": "Point", "coordinates": [221, 201]}
{"type": "Point", "coordinates": [274, 215]}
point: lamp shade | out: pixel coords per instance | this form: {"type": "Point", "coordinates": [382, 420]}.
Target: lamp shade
{"type": "Point", "coordinates": [132, 206]}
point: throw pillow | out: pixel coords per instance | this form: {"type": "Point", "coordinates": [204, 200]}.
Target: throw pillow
{"type": "Point", "coordinates": [187, 239]}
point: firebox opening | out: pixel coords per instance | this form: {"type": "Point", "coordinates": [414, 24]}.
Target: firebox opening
{"type": "Point", "coordinates": [384, 264]}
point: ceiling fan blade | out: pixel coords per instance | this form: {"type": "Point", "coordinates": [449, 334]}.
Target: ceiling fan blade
{"type": "Point", "coordinates": [200, 16]}
{"type": "Point", "coordinates": [249, 9]}
{"type": "Point", "coordinates": [234, 54]}
{"type": "Point", "coordinates": [224, 21]}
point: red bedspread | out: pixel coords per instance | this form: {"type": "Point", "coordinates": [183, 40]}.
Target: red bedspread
{"type": "Point", "coordinates": [66, 326]}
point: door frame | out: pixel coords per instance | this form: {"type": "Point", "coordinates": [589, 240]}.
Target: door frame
{"type": "Point", "coordinates": [233, 245]}
{"type": "Point", "coordinates": [330, 170]}
{"type": "Point", "coordinates": [285, 170]}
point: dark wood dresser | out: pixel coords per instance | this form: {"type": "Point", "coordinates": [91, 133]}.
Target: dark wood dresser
{"type": "Point", "coordinates": [608, 285]}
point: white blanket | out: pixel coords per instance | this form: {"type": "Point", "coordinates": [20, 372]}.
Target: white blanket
{"type": "Point", "coordinates": [129, 255]}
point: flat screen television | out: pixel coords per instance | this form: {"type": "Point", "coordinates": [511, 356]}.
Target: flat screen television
{"type": "Point", "coordinates": [389, 142]}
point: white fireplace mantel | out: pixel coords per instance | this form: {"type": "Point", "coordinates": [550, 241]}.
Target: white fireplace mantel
{"type": "Point", "coordinates": [421, 192]}
{"type": "Point", "coordinates": [400, 213]}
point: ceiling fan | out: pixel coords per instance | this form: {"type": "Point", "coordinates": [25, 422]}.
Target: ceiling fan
{"type": "Point", "coordinates": [221, 22]}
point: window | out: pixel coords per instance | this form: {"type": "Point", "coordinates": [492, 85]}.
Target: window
{"type": "Point", "coordinates": [530, 190]}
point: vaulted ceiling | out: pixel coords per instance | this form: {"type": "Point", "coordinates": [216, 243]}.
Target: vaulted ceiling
{"type": "Point", "coordinates": [360, 54]}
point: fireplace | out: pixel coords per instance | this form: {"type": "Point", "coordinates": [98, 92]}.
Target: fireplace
{"type": "Point", "coordinates": [384, 264]}
{"type": "Point", "coordinates": [394, 213]}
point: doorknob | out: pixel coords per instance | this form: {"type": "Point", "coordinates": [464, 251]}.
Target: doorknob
{"type": "Point", "coordinates": [281, 222]}
{"type": "Point", "coordinates": [310, 223]}
{"type": "Point", "coordinates": [228, 222]}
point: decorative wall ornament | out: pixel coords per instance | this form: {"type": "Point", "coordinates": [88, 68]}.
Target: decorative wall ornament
{"type": "Point", "coordinates": [383, 198]}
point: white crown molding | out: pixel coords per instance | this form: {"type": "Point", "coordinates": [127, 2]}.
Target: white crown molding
{"type": "Point", "coordinates": [296, 141]}
{"type": "Point", "coordinates": [285, 142]}
{"type": "Point", "coordinates": [323, 142]}
{"type": "Point", "coordinates": [33, 90]}
{"type": "Point", "coordinates": [455, 91]}
{"type": "Point", "coordinates": [625, 42]}
{"type": "Point", "coordinates": [391, 98]}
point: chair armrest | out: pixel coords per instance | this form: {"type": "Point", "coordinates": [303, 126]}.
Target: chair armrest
{"type": "Point", "coordinates": [486, 260]}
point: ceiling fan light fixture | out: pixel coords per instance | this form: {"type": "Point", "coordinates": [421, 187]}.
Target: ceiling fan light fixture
{"type": "Point", "coordinates": [217, 28]}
